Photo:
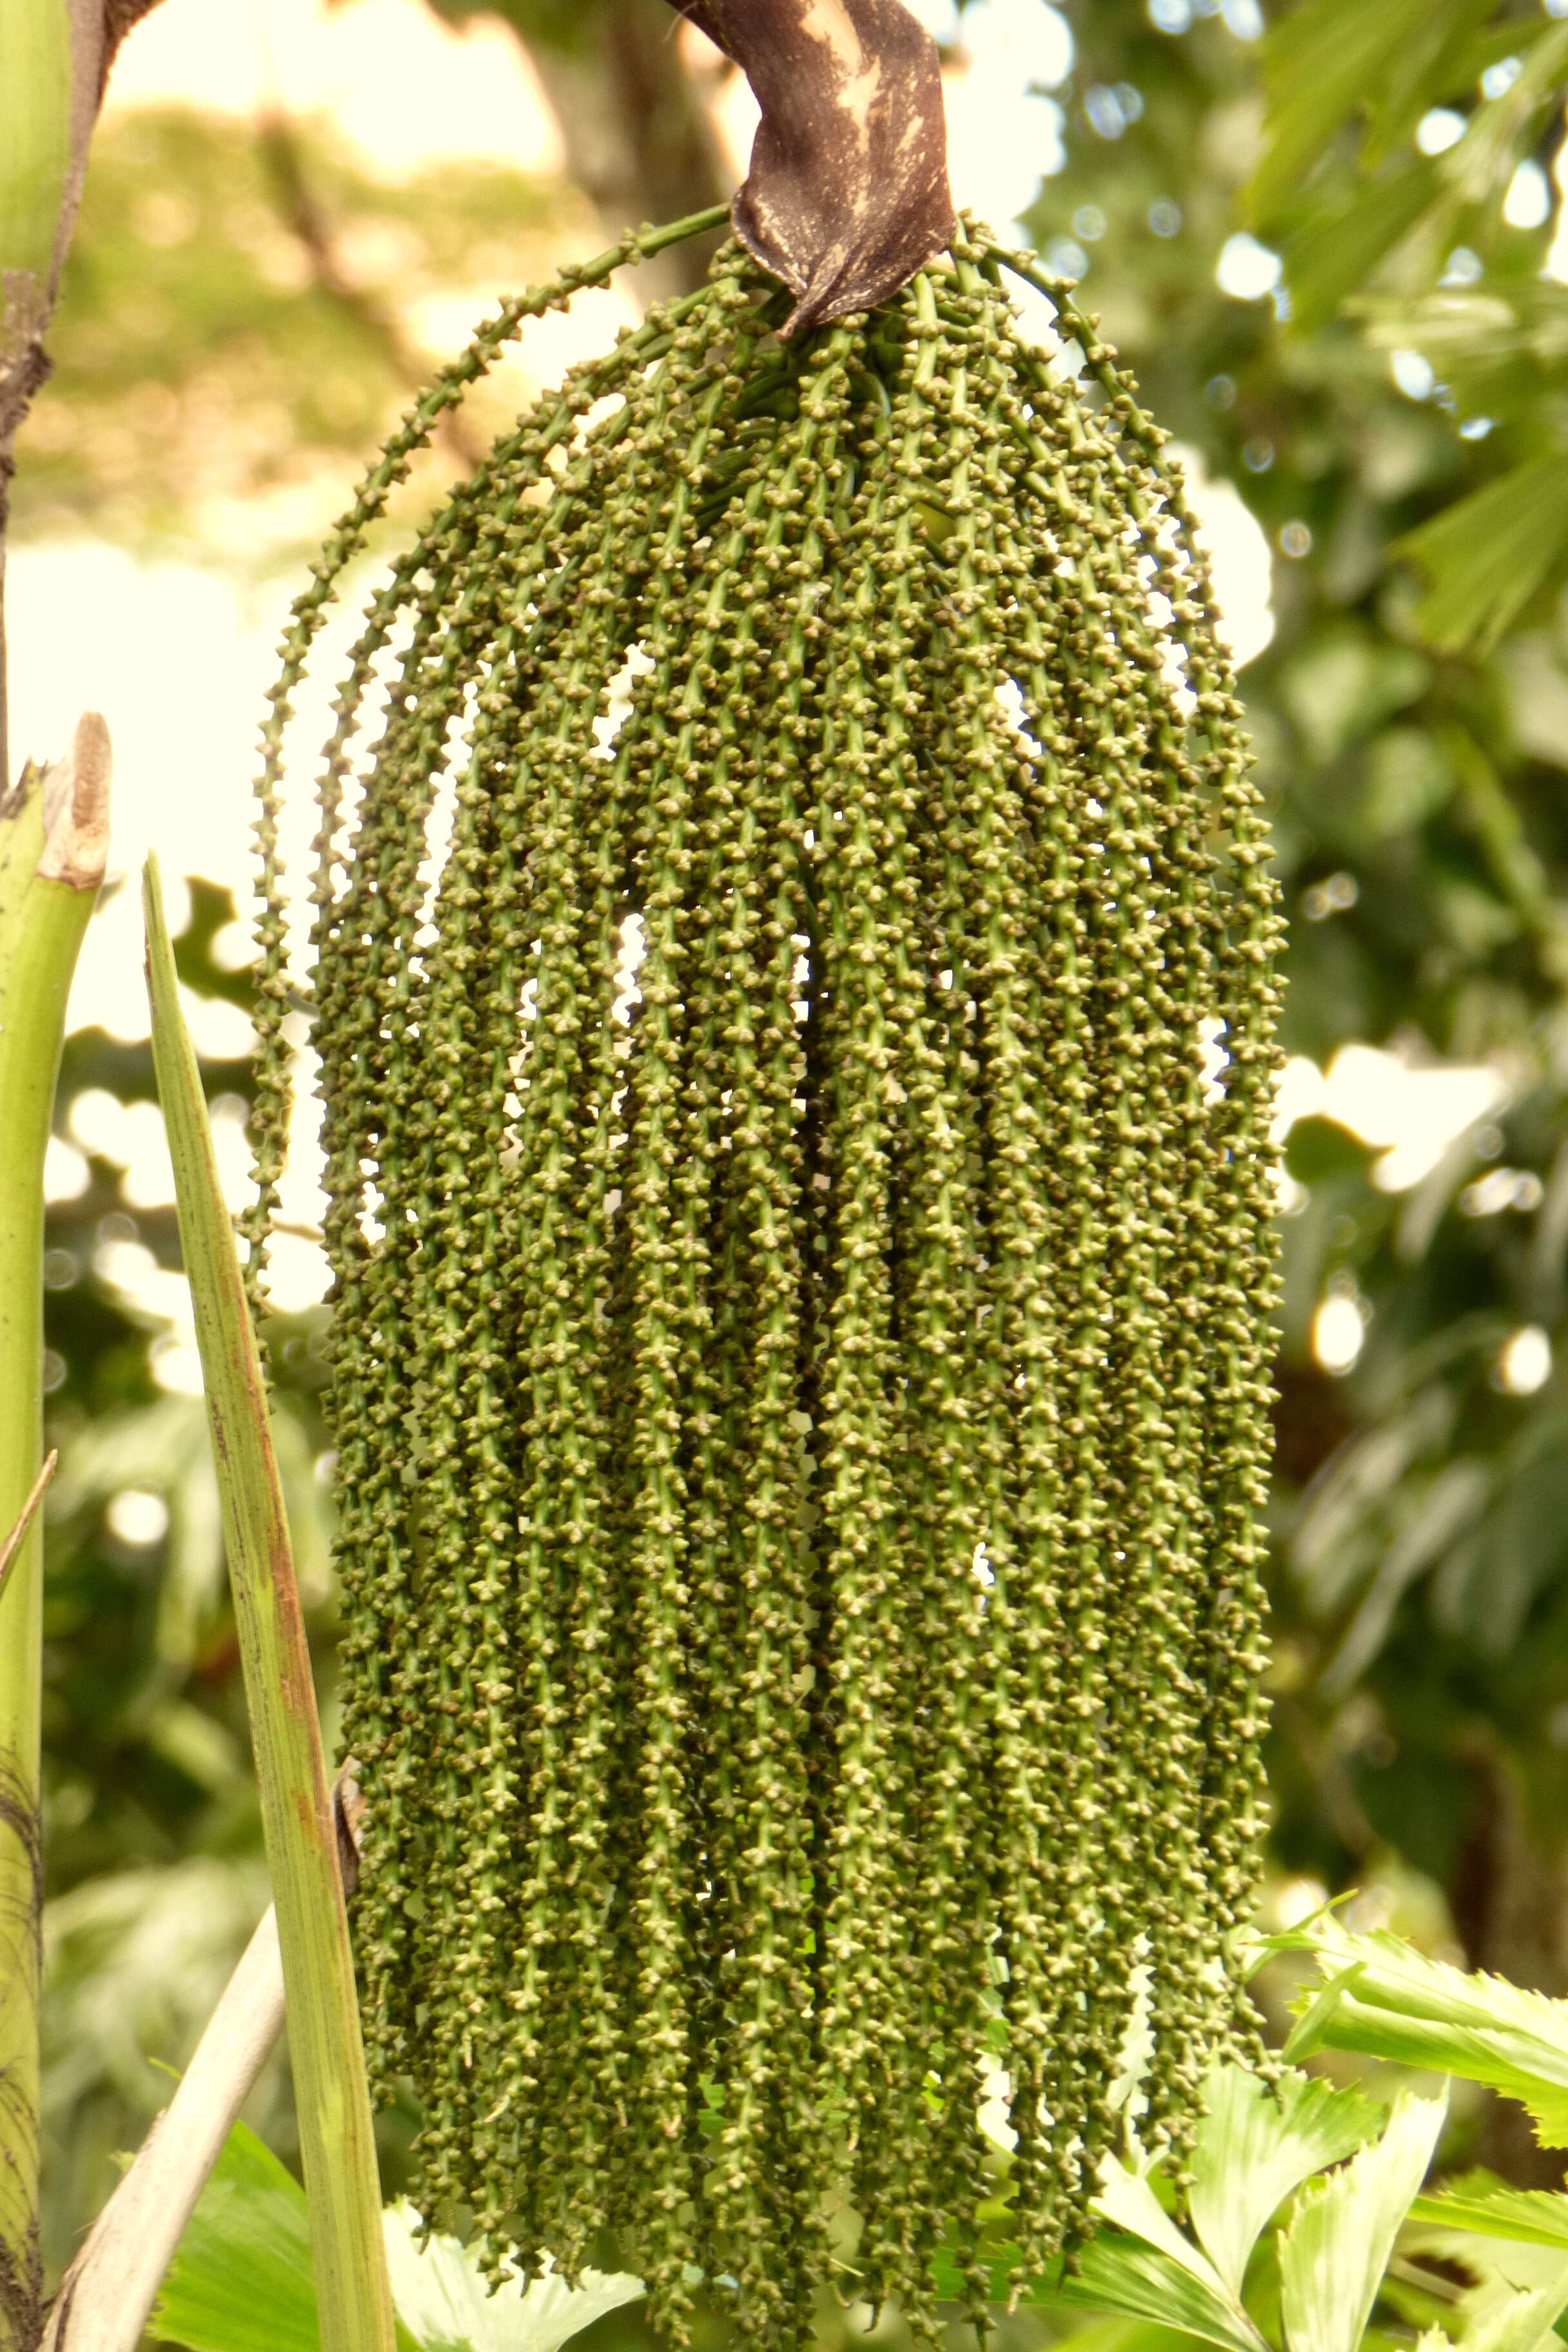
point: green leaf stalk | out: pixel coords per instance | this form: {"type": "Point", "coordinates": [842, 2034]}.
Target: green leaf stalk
{"type": "Point", "coordinates": [53, 839]}
{"type": "Point", "coordinates": [35, 155]}
{"type": "Point", "coordinates": [337, 2143]}
{"type": "Point", "coordinates": [34, 164]}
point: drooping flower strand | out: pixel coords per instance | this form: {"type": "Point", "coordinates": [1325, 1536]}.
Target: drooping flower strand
{"type": "Point", "coordinates": [800, 1297]}
{"type": "Point", "coordinates": [269, 1118]}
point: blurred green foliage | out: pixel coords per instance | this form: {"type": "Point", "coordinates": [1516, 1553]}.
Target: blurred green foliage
{"type": "Point", "coordinates": [239, 327]}
{"type": "Point", "coordinates": [1402, 147]}
{"type": "Point", "coordinates": [1422, 835]}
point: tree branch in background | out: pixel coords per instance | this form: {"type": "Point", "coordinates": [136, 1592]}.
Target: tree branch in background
{"type": "Point", "coordinates": [653, 156]}
{"type": "Point", "coordinates": [638, 141]}
{"type": "Point", "coordinates": [306, 217]}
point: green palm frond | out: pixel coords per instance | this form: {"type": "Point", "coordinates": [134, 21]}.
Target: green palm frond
{"type": "Point", "coordinates": [1485, 557]}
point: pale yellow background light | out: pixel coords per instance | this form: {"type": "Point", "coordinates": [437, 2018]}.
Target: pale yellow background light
{"type": "Point", "coordinates": [404, 89]}
{"type": "Point", "coordinates": [178, 657]}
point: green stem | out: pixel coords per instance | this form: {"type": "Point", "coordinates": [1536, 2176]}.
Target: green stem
{"type": "Point", "coordinates": [36, 89]}
{"type": "Point", "coordinates": [53, 831]}
{"type": "Point", "coordinates": [35, 135]}
{"type": "Point", "coordinates": [337, 2144]}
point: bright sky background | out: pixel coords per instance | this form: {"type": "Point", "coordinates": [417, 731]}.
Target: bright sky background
{"type": "Point", "coordinates": [178, 659]}
{"type": "Point", "coordinates": [406, 88]}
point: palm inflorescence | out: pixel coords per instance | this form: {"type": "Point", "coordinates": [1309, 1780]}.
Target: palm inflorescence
{"type": "Point", "coordinates": [794, 987]}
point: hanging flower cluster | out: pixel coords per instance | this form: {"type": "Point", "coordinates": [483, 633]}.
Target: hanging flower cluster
{"type": "Point", "coordinates": [788, 878]}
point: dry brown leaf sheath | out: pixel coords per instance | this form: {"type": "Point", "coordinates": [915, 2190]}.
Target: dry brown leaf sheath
{"type": "Point", "coordinates": [847, 195]}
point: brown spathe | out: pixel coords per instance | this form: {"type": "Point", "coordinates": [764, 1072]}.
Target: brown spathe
{"type": "Point", "coordinates": [847, 195]}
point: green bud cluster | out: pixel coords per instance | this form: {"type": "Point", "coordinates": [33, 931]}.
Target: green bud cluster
{"type": "Point", "coordinates": [801, 1291]}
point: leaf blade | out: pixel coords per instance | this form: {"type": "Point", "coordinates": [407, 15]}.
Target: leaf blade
{"type": "Point", "coordinates": [1485, 557]}
{"type": "Point", "coordinates": [1143, 2267]}
{"type": "Point", "coordinates": [1527, 2323]}
{"type": "Point", "coordinates": [445, 2301]}
{"type": "Point", "coordinates": [1125, 2279]}
{"type": "Point", "coordinates": [1256, 2144]}
{"type": "Point", "coordinates": [1322, 64]}
{"type": "Point", "coordinates": [241, 2281]}
{"type": "Point", "coordinates": [1529, 2217]}
{"type": "Point", "coordinates": [338, 2145]}
{"type": "Point", "coordinates": [1384, 2000]}
{"type": "Point", "coordinates": [1333, 2255]}
{"type": "Point", "coordinates": [1339, 245]}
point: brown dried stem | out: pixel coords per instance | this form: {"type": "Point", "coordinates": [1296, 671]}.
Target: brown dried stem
{"type": "Point", "coordinates": [847, 195]}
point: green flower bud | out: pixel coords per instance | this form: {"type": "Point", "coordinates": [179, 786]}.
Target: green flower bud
{"type": "Point", "coordinates": [800, 1304]}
